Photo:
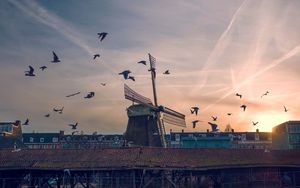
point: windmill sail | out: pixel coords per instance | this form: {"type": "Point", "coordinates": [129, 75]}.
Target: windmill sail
{"type": "Point", "coordinates": [133, 96]}
{"type": "Point", "coordinates": [172, 117]}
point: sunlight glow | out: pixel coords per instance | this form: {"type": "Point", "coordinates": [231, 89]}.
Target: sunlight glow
{"type": "Point", "coordinates": [270, 119]}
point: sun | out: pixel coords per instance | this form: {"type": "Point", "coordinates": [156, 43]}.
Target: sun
{"type": "Point", "coordinates": [268, 120]}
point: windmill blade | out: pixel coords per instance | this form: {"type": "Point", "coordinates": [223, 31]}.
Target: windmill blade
{"type": "Point", "coordinates": [133, 96]}
{"type": "Point", "coordinates": [173, 117]}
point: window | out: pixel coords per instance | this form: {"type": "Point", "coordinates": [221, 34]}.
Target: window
{"type": "Point", "coordinates": [54, 139]}
{"type": "Point", "coordinates": [177, 137]}
{"type": "Point", "coordinates": [31, 139]}
{"type": "Point", "coordinates": [41, 139]}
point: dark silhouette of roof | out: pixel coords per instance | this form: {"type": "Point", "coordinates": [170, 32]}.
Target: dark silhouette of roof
{"type": "Point", "coordinates": [83, 159]}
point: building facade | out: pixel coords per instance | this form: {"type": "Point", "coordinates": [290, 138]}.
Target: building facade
{"type": "Point", "coordinates": [286, 135]}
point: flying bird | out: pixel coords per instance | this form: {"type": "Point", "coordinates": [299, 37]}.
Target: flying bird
{"type": "Point", "coordinates": [47, 115]}
{"type": "Point", "coordinates": [131, 78]}
{"type": "Point", "coordinates": [125, 73]}
{"type": "Point", "coordinates": [58, 110]}
{"type": "Point", "coordinates": [102, 35]}
{"type": "Point", "coordinates": [90, 95]}
{"type": "Point", "coordinates": [285, 109]}
{"type": "Point", "coordinates": [30, 72]}
{"type": "Point", "coordinates": [73, 94]}
{"type": "Point", "coordinates": [229, 114]}
{"type": "Point", "coordinates": [195, 123]}
{"type": "Point", "coordinates": [214, 127]}
{"type": "Point", "coordinates": [167, 72]}
{"type": "Point", "coordinates": [254, 123]}
{"type": "Point", "coordinates": [55, 58]}
{"type": "Point", "coordinates": [265, 94]}
{"type": "Point", "coordinates": [142, 62]}
{"type": "Point", "coordinates": [239, 95]}
{"type": "Point", "coordinates": [214, 118]}
{"type": "Point", "coordinates": [43, 68]}
{"type": "Point", "coordinates": [26, 122]}
{"type": "Point", "coordinates": [243, 107]}
{"type": "Point", "coordinates": [96, 55]}
{"type": "Point", "coordinates": [195, 110]}
{"type": "Point", "coordinates": [103, 84]}
{"type": "Point", "coordinates": [74, 132]}
{"type": "Point", "coordinates": [74, 126]}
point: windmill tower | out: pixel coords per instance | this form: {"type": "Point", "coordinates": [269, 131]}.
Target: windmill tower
{"type": "Point", "coordinates": [146, 121]}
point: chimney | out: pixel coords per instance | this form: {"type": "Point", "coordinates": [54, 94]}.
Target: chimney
{"type": "Point", "coordinates": [61, 133]}
{"type": "Point", "coordinates": [170, 130]}
{"type": "Point", "coordinates": [257, 130]}
{"type": "Point", "coordinates": [182, 130]}
{"type": "Point", "coordinates": [232, 130]}
{"type": "Point", "coordinates": [207, 130]}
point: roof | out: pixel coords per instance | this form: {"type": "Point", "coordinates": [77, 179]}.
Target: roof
{"type": "Point", "coordinates": [48, 137]}
{"type": "Point", "coordinates": [112, 158]}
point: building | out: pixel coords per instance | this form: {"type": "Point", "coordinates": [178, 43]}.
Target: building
{"type": "Point", "coordinates": [10, 135]}
{"type": "Point", "coordinates": [286, 135]}
{"type": "Point", "coordinates": [238, 140]}
{"type": "Point", "coordinates": [42, 140]}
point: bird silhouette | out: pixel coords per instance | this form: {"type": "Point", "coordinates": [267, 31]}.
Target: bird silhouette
{"type": "Point", "coordinates": [229, 114]}
{"type": "Point", "coordinates": [153, 72]}
{"type": "Point", "coordinates": [74, 132]}
{"type": "Point", "coordinates": [195, 123]}
{"type": "Point", "coordinates": [90, 95]}
{"type": "Point", "coordinates": [125, 73]}
{"type": "Point", "coordinates": [30, 72]}
{"type": "Point", "coordinates": [214, 118]}
{"type": "Point", "coordinates": [142, 62]}
{"type": "Point", "coordinates": [131, 78]}
{"type": "Point", "coordinates": [73, 94]}
{"type": "Point", "coordinates": [243, 107]}
{"type": "Point", "coordinates": [239, 95]}
{"type": "Point", "coordinates": [74, 126]}
{"type": "Point", "coordinates": [254, 123]}
{"type": "Point", "coordinates": [26, 122]}
{"type": "Point", "coordinates": [102, 35]}
{"type": "Point", "coordinates": [43, 68]}
{"type": "Point", "coordinates": [58, 110]}
{"type": "Point", "coordinates": [265, 94]}
{"type": "Point", "coordinates": [194, 109]}
{"type": "Point", "coordinates": [55, 58]}
{"type": "Point", "coordinates": [103, 84]}
{"type": "Point", "coordinates": [285, 109]}
{"type": "Point", "coordinates": [47, 115]}
{"type": "Point", "coordinates": [96, 55]}
{"type": "Point", "coordinates": [167, 72]}
{"type": "Point", "coordinates": [214, 127]}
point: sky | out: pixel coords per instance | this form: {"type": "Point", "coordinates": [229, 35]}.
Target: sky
{"type": "Point", "coordinates": [213, 50]}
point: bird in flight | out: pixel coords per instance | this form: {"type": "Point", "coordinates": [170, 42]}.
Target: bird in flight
{"type": "Point", "coordinates": [96, 55]}
{"type": "Point", "coordinates": [131, 78]}
{"type": "Point", "coordinates": [229, 114]}
{"type": "Point", "coordinates": [26, 122]}
{"type": "Point", "coordinates": [214, 118]}
{"type": "Point", "coordinates": [74, 126]}
{"type": "Point", "coordinates": [30, 72]}
{"type": "Point", "coordinates": [73, 94]}
{"type": "Point", "coordinates": [142, 62]}
{"type": "Point", "coordinates": [90, 95]}
{"type": "Point", "coordinates": [239, 95]}
{"type": "Point", "coordinates": [43, 68]}
{"type": "Point", "coordinates": [47, 115]}
{"type": "Point", "coordinates": [195, 123]}
{"type": "Point", "coordinates": [195, 110]}
{"type": "Point", "coordinates": [214, 127]}
{"type": "Point", "coordinates": [285, 109]}
{"type": "Point", "coordinates": [74, 132]}
{"type": "Point", "coordinates": [254, 123]}
{"type": "Point", "coordinates": [55, 58]}
{"type": "Point", "coordinates": [167, 72]}
{"type": "Point", "coordinates": [265, 94]}
{"type": "Point", "coordinates": [103, 84]}
{"type": "Point", "coordinates": [243, 107]}
{"type": "Point", "coordinates": [102, 35]}
{"type": "Point", "coordinates": [125, 73]}
{"type": "Point", "coordinates": [58, 110]}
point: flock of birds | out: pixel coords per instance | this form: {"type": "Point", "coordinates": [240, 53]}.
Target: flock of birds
{"type": "Point", "coordinates": [55, 59]}
{"type": "Point", "coordinates": [214, 126]}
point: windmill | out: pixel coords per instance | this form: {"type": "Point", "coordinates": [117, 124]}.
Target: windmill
{"type": "Point", "coordinates": [146, 121]}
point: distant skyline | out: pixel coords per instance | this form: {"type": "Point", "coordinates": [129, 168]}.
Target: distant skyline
{"type": "Point", "coordinates": [213, 50]}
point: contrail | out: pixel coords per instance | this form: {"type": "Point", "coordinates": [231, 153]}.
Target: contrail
{"type": "Point", "coordinates": [276, 62]}
{"type": "Point", "coordinates": [220, 45]}
{"type": "Point", "coordinates": [49, 19]}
